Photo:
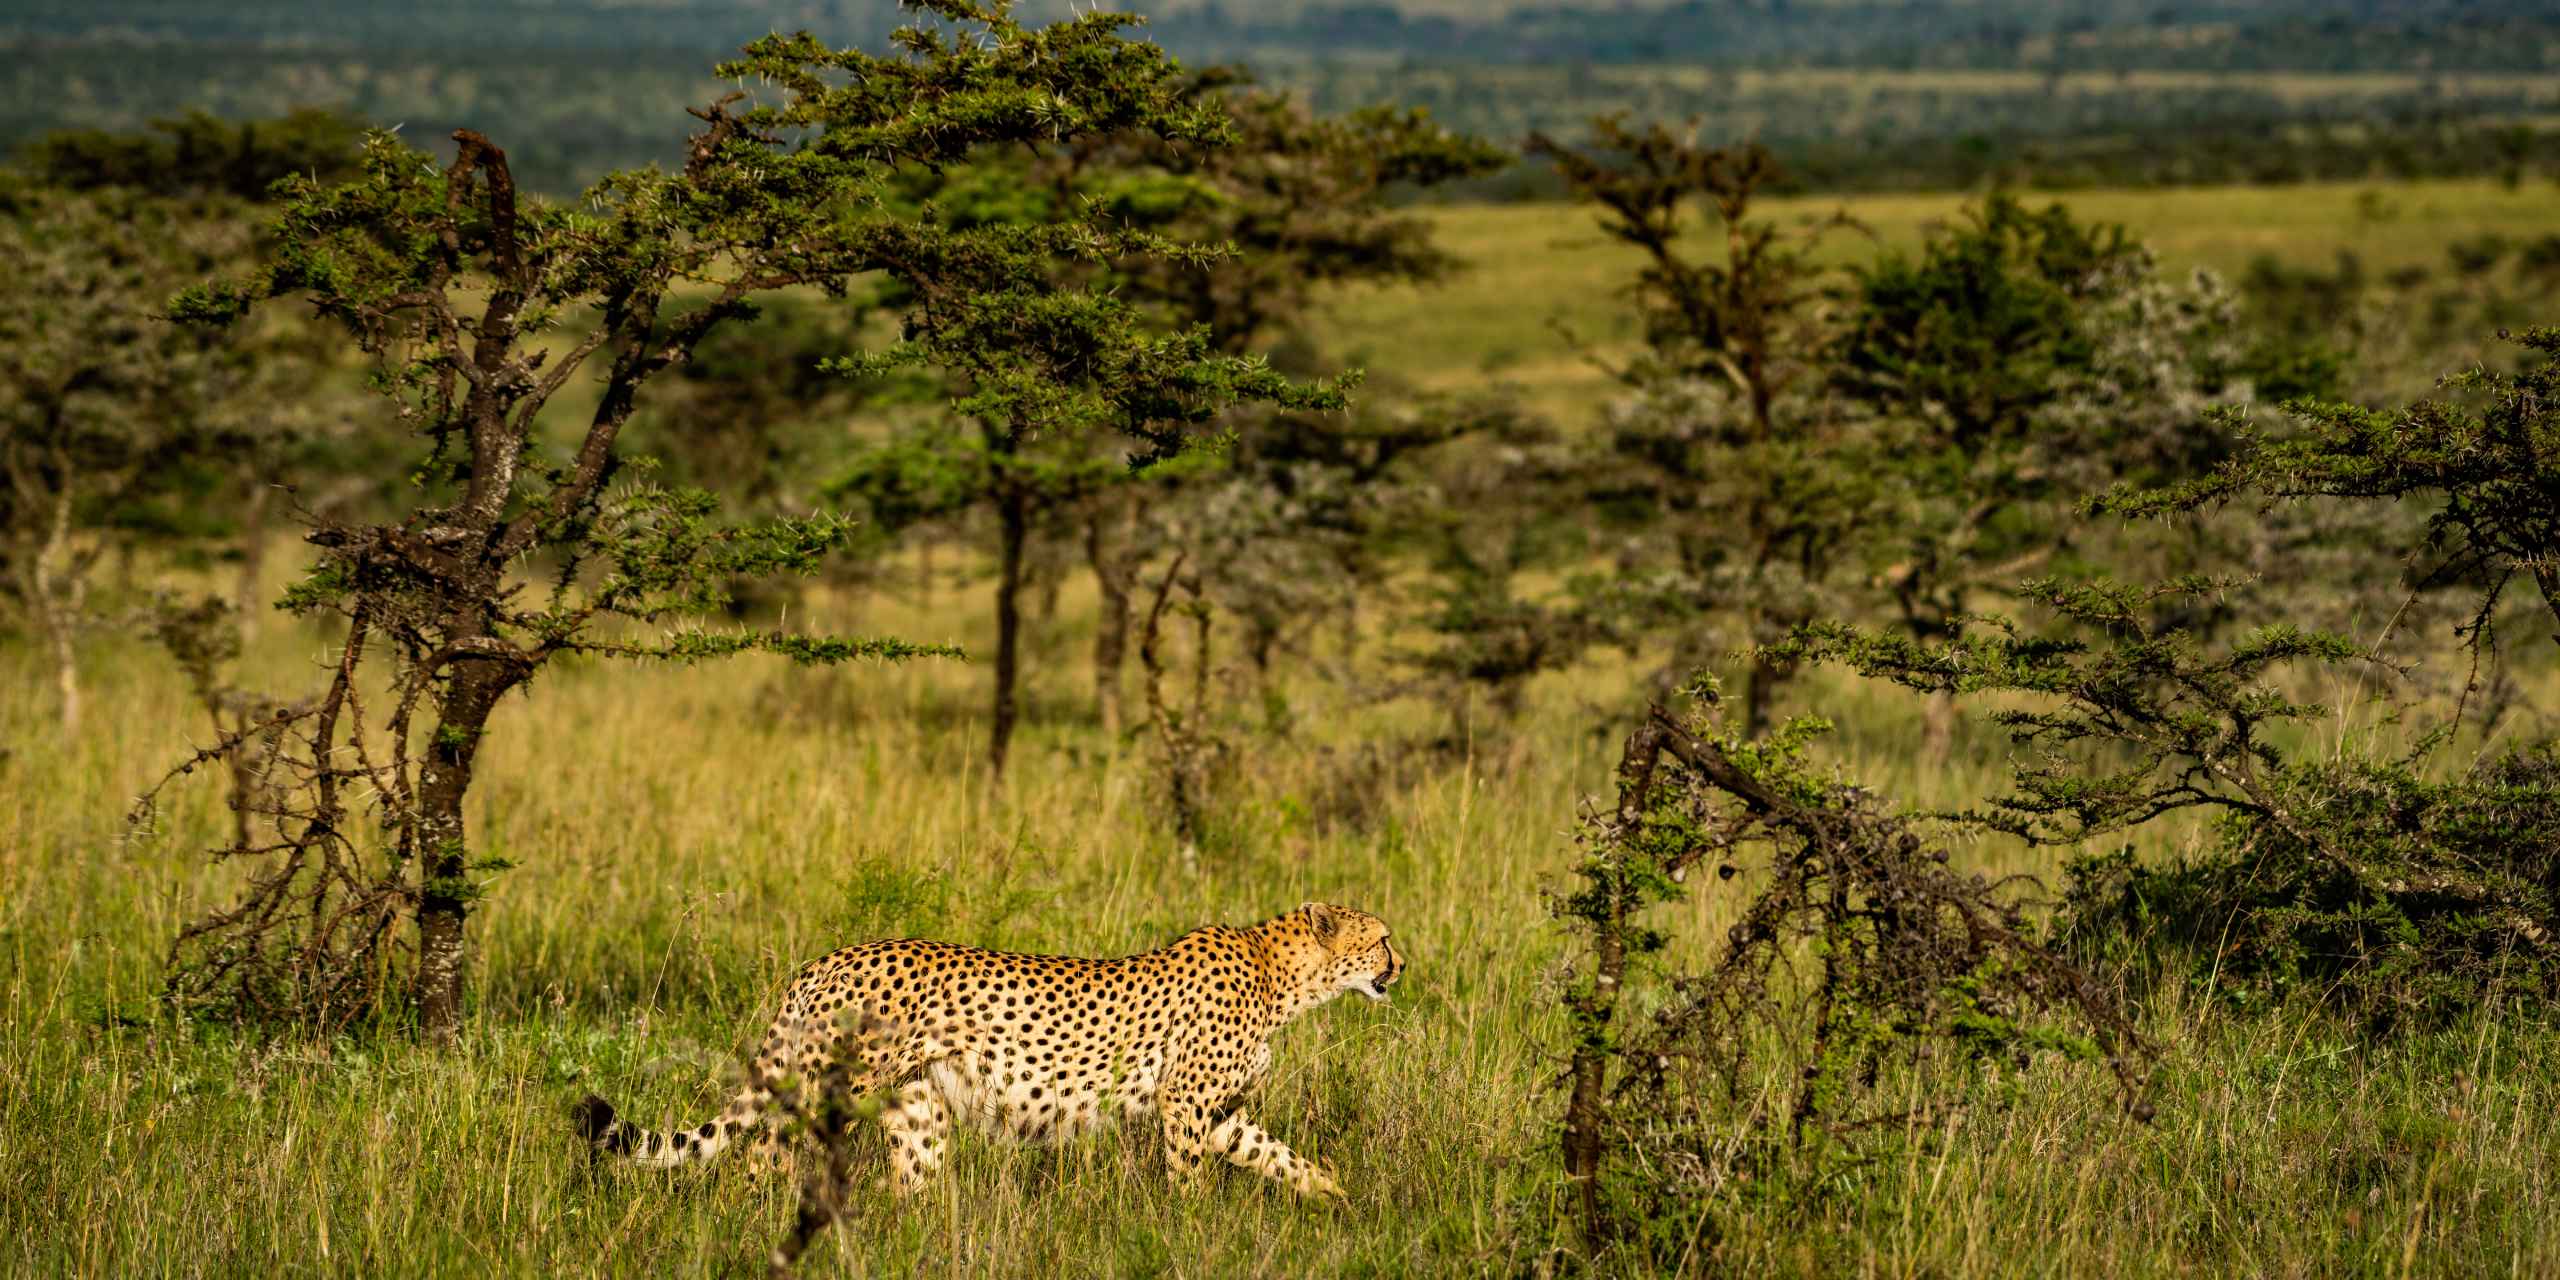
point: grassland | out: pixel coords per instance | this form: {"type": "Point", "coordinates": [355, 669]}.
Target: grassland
{"type": "Point", "coordinates": [1543, 284]}
{"type": "Point", "coordinates": [685, 837]}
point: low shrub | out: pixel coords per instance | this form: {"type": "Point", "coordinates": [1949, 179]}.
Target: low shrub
{"type": "Point", "coordinates": [2392, 898]}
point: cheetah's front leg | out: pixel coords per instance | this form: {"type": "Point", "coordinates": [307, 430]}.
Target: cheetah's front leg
{"type": "Point", "coordinates": [917, 1124]}
{"type": "Point", "coordinates": [1249, 1146]}
{"type": "Point", "coordinates": [1186, 1132]}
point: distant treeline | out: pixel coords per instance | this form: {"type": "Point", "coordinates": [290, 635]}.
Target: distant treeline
{"type": "Point", "coordinates": [2088, 93]}
{"type": "Point", "coordinates": [570, 124]}
{"type": "Point", "coordinates": [2240, 35]}
{"type": "Point", "coordinates": [2493, 35]}
{"type": "Point", "coordinates": [2232, 153]}
{"type": "Point", "coordinates": [565, 119]}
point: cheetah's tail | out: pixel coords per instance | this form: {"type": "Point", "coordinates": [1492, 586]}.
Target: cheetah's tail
{"type": "Point", "coordinates": [666, 1148]}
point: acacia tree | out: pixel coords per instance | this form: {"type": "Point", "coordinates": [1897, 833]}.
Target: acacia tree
{"type": "Point", "coordinates": [1747, 486]}
{"type": "Point", "coordinates": [1980, 346]}
{"type": "Point", "coordinates": [2484, 458]}
{"type": "Point", "coordinates": [199, 154]}
{"type": "Point", "coordinates": [103, 404]}
{"type": "Point", "coordinates": [480, 305]}
{"type": "Point", "coordinates": [2021, 357]}
{"type": "Point", "coordinates": [1507, 503]}
{"type": "Point", "coordinates": [238, 416]}
{"type": "Point", "coordinates": [2344, 873]}
{"type": "Point", "coordinates": [1306, 201]}
{"type": "Point", "coordinates": [1299, 203]}
{"type": "Point", "coordinates": [1859, 950]}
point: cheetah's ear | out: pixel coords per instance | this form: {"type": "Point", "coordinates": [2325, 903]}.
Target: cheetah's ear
{"type": "Point", "coordinates": [1322, 919]}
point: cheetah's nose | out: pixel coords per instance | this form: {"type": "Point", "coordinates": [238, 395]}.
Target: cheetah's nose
{"type": "Point", "coordinates": [1378, 984]}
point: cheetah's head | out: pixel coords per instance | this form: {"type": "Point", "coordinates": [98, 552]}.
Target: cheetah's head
{"type": "Point", "coordinates": [1351, 951]}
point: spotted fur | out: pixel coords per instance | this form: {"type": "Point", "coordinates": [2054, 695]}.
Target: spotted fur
{"type": "Point", "coordinates": [1040, 1048]}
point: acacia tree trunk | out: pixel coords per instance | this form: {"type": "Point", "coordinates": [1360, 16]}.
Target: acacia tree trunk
{"type": "Point", "coordinates": [1757, 693]}
{"type": "Point", "coordinates": [1759, 614]}
{"type": "Point", "coordinates": [1178, 733]}
{"type": "Point", "coordinates": [250, 591]}
{"type": "Point", "coordinates": [1200, 655]}
{"type": "Point", "coordinates": [1051, 577]}
{"type": "Point", "coordinates": [1938, 726]}
{"type": "Point", "coordinates": [442, 845]}
{"type": "Point", "coordinates": [58, 626]}
{"type": "Point", "coordinates": [1594, 1009]}
{"type": "Point", "coordinates": [53, 583]}
{"type": "Point", "coordinates": [2546, 578]}
{"type": "Point", "coordinates": [1111, 629]}
{"type": "Point", "coordinates": [1262, 636]}
{"type": "Point", "coordinates": [1013, 514]}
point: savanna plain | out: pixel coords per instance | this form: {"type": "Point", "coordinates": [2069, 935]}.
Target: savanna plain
{"type": "Point", "coordinates": [684, 837]}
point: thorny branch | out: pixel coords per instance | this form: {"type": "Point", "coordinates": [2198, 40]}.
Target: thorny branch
{"type": "Point", "coordinates": [308, 941]}
{"type": "Point", "coordinates": [1904, 951]}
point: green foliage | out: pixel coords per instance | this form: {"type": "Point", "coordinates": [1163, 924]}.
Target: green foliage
{"type": "Point", "coordinates": [2350, 881]}
{"type": "Point", "coordinates": [1296, 204]}
{"type": "Point", "coordinates": [1683, 460]}
{"type": "Point", "coordinates": [1986, 324]}
{"type": "Point", "coordinates": [1702, 317]}
{"type": "Point", "coordinates": [914, 476]}
{"type": "Point", "coordinates": [97, 391]}
{"type": "Point", "coordinates": [117, 427]}
{"type": "Point", "coordinates": [2020, 357]}
{"type": "Point", "coordinates": [1489, 639]}
{"type": "Point", "coordinates": [198, 154]}
{"type": "Point", "coordinates": [2132, 716]}
{"type": "Point", "coordinates": [2355, 881]}
{"type": "Point", "coordinates": [479, 303]}
{"type": "Point", "coordinates": [2421, 900]}
{"type": "Point", "coordinates": [1859, 952]}
{"type": "Point", "coordinates": [699, 646]}
{"type": "Point", "coordinates": [757, 416]}
{"type": "Point", "coordinates": [1303, 199]}
{"type": "Point", "coordinates": [2481, 458]}
{"type": "Point", "coordinates": [201, 637]}
{"type": "Point", "coordinates": [2301, 322]}
{"type": "Point", "coordinates": [1749, 485]}
{"type": "Point", "coordinates": [659, 554]}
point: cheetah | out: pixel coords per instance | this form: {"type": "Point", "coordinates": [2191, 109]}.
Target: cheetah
{"type": "Point", "coordinates": [1041, 1048]}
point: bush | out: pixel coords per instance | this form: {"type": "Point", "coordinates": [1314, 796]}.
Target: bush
{"type": "Point", "coordinates": [1860, 953]}
{"type": "Point", "coordinates": [2426, 899]}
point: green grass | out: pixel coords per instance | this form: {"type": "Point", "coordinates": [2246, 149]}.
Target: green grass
{"type": "Point", "coordinates": [1541, 275]}
{"type": "Point", "coordinates": [686, 837]}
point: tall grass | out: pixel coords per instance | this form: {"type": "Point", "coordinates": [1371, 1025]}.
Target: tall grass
{"type": "Point", "coordinates": [687, 836]}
